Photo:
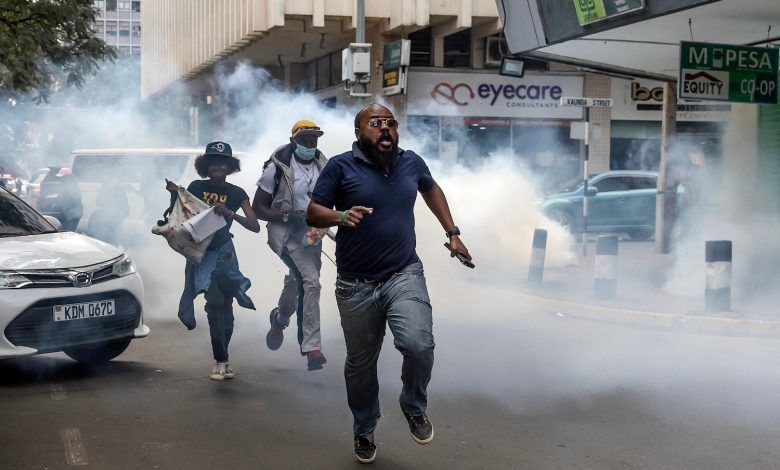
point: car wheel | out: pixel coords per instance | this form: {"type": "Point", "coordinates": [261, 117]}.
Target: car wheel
{"type": "Point", "coordinates": [641, 234]}
{"type": "Point", "coordinates": [98, 353]}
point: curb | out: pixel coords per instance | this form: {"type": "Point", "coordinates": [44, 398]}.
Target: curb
{"type": "Point", "coordinates": [696, 324]}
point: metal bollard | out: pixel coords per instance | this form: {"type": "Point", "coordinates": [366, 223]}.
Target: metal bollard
{"type": "Point", "coordinates": [606, 267]}
{"type": "Point", "coordinates": [536, 266]}
{"type": "Point", "coordinates": [717, 292]}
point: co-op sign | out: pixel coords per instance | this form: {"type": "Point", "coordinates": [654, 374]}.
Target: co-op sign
{"type": "Point", "coordinates": [725, 72]}
{"type": "Point", "coordinates": [481, 94]}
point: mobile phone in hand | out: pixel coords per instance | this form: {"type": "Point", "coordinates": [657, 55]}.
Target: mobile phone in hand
{"type": "Point", "coordinates": [465, 261]}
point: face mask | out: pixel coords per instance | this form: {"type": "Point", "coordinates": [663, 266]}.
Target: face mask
{"type": "Point", "coordinates": [305, 153]}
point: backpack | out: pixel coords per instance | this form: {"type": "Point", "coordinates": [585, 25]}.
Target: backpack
{"type": "Point", "coordinates": [277, 176]}
{"type": "Point", "coordinates": [284, 155]}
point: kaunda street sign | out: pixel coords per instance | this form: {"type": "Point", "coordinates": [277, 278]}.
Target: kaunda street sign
{"type": "Point", "coordinates": [586, 102]}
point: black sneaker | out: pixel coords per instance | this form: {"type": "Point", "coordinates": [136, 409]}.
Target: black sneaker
{"type": "Point", "coordinates": [365, 450]}
{"type": "Point", "coordinates": [421, 428]}
{"type": "Point", "coordinates": [275, 334]}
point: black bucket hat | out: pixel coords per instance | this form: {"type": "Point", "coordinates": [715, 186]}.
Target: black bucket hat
{"type": "Point", "coordinates": [218, 149]}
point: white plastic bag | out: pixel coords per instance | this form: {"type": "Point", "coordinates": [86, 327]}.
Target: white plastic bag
{"type": "Point", "coordinates": [184, 206]}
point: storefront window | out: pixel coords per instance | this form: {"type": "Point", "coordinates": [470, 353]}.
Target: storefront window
{"type": "Point", "coordinates": [636, 145]}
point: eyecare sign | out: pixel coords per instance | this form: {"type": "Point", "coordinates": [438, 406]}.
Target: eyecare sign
{"type": "Point", "coordinates": [723, 72]}
{"type": "Point", "coordinates": [485, 94]}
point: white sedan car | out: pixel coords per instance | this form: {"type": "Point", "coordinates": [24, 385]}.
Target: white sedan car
{"type": "Point", "coordinates": [63, 291]}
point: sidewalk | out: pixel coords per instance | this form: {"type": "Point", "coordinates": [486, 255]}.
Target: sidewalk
{"type": "Point", "coordinates": [641, 298]}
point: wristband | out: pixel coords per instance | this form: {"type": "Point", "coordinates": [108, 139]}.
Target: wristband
{"type": "Point", "coordinates": [343, 217]}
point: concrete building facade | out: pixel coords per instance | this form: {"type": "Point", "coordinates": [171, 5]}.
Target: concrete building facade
{"type": "Point", "coordinates": [454, 90]}
{"type": "Point", "coordinates": [119, 24]}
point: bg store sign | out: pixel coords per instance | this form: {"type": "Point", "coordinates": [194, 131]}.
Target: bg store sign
{"type": "Point", "coordinates": [482, 94]}
{"type": "Point", "coordinates": [642, 100]}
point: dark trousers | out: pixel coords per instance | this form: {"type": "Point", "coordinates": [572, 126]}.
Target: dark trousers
{"type": "Point", "coordinates": [219, 311]}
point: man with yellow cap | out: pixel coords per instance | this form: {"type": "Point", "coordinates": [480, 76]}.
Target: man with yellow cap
{"type": "Point", "coordinates": [282, 196]}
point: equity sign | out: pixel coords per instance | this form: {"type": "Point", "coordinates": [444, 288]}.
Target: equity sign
{"type": "Point", "coordinates": [723, 72]}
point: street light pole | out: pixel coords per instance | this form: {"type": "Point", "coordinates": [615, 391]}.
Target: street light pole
{"type": "Point", "coordinates": [585, 159]}
{"type": "Point", "coordinates": [360, 30]}
{"type": "Point", "coordinates": [360, 37]}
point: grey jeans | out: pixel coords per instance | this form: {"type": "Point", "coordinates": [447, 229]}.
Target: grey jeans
{"type": "Point", "coordinates": [403, 303]}
{"type": "Point", "coordinates": [301, 292]}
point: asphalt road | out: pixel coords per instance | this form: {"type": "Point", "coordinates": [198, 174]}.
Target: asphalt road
{"type": "Point", "coordinates": [513, 387]}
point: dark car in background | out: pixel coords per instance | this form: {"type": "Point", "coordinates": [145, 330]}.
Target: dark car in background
{"type": "Point", "coordinates": [618, 201]}
{"type": "Point", "coordinates": [59, 197]}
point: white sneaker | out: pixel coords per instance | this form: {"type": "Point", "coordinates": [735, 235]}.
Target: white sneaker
{"type": "Point", "coordinates": [229, 374]}
{"type": "Point", "coordinates": [218, 372]}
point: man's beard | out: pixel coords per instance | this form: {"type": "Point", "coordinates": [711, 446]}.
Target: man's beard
{"type": "Point", "coordinates": [372, 149]}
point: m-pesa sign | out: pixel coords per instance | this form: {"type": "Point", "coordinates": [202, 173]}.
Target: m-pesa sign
{"type": "Point", "coordinates": [722, 72]}
{"type": "Point", "coordinates": [484, 94]}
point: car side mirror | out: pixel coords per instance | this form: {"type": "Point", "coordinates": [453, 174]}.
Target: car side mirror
{"type": "Point", "coordinates": [54, 221]}
{"type": "Point", "coordinates": [592, 191]}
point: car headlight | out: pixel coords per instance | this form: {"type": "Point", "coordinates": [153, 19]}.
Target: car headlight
{"type": "Point", "coordinates": [13, 281]}
{"type": "Point", "coordinates": [123, 267]}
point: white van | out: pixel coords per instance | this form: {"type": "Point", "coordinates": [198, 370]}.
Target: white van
{"type": "Point", "coordinates": [112, 176]}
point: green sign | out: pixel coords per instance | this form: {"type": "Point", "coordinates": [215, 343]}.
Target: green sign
{"type": "Point", "coordinates": [723, 72]}
{"type": "Point", "coordinates": [395, 59]}
{"type": "Point", "coordinates": [589, 11]}
{"type": "Point", "coordinates": [391, 55]}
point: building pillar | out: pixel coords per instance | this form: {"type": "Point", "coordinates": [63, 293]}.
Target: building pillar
{"type": "Point", "coordinates": [741, 158]}
{"type": "Point", "coordinates": [599, 86]}
{"type": "Point", "coordinates": [438, 33]}
{"type": "Point", "coordinates": [665, 204]}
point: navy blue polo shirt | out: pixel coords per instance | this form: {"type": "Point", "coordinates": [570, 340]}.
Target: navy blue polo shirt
{"type": "Point", "coordinates": [384, 242]}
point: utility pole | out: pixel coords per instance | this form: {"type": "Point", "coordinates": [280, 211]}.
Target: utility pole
{"type": "Point", "coordinates": [360, 30]}
{"type": "Point", "coordinates": [360, 38]}
{"type": "Point", "coordinates": [665, 202]}
{"type": "Point", "coordinates": [356, 59]}
{"type": "Point", "coordinates": [586, 103]}
{"type": "Point", "coordinates": [585, 158]}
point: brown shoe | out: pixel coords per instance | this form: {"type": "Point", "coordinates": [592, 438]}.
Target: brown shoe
{"type": "Point", "coordinates": [315, 359]}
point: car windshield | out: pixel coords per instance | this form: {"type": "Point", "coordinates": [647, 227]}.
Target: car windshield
{"type": "Point", "coordinates": [17, 218]}
{"type": "Point", "coordinates": [570, 186]}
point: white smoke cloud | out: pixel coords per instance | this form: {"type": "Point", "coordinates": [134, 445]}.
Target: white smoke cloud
{"type": "Point", "coordinates": [728, 204]}
{"type": "Point", "coordinates": [488, 343]}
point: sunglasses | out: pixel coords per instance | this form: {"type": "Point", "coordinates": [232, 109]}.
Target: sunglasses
{"type": "Point", "coordinates": [377, 122]}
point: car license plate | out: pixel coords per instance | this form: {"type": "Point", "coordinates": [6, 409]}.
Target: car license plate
{"type": "Point", "coordinates": [98, 308]}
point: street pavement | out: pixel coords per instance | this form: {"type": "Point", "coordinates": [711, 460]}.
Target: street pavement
{"type": "Point", "coordinates": [649, 296]}
{"type": "Point", "coordinates": [515, 385]}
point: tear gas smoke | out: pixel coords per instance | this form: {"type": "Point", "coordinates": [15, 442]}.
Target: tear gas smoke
{"type": "Point", "coordinates": [727, 203]}
{"type": "Point", "coordinates": [487, 344]}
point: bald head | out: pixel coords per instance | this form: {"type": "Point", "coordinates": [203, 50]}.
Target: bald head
{"type": "Point", "coordinates": [373, 108]}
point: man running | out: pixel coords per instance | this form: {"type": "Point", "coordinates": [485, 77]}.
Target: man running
{"type": "Point", "coordinates": [373, 188]}
{"type": "Point", "coordinates": [282, 196]}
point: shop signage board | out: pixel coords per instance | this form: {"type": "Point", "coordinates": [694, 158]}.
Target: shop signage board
{"type": "Point", "coordinates": [590, 11]}
{"type": "Point", "coordinates": [724, 72]}
{"type": "Point", "coordinates": [642, 100]}
{"type": "Point", "coordinates": [395, 60]}
{"type": "Point", "coordinates": [492, 95]}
